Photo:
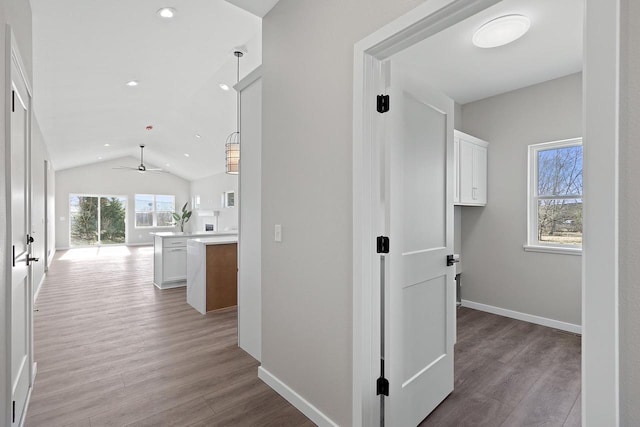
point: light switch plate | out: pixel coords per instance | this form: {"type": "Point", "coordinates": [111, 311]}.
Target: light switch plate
{"type": "Point", "coordinates": [277, 233]}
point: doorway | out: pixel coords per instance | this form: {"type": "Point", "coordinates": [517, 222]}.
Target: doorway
{"type": "Point", "coordinates": [370, 55]}
{"type": "Point", "coordinates": [97, 220]}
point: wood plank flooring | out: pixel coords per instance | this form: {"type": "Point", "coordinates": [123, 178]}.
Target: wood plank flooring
{"type": "Point", "coordinates": [113, 350]}
{"type": "Point", "coordinates": [510, 373]}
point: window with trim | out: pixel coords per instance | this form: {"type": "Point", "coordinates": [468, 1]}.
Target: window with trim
{"type": "Point", "coordinates": [555, 195]}
{"type": "Point", "coordinates": [155, 210]}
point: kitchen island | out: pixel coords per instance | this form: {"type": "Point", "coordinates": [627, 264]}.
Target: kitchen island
{"type": "Point", "coordinates": [170, 256]}
{"type": "Point", "coordinates": [212, 273]}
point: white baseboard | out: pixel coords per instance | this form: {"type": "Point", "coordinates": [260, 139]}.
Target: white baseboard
{"type": "Point", "coordinates": [35, 296]}
{"type": "Point", "coordinates": [556, 324]}
{"type": "Point", "coordinates": [295, 399]}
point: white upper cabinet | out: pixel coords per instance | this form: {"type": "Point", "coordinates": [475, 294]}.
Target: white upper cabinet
{"type": "Point", "coordinates": [470, 170]}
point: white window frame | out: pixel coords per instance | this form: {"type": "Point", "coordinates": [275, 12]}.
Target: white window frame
{"type": "Point", "coordinates": [533, 244]}
{"type": "Point", "coordinates": [99, 196]}
{"type": "Point", "coordinates": [153, 211]}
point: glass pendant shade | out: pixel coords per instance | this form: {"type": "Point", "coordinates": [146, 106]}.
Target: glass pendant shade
{"type": "Point", "coordinates": [232, 153]}
{"type": "Point", "coordinates": [232, 145]}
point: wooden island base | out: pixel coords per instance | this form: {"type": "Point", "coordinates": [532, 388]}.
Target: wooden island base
{"type": "Point", "coordinates": [222, 276]}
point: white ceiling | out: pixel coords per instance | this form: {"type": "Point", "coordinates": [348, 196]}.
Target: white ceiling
{"type": "Point", "coordinates": [552, 48]}
{"type": "Point", "coordinates": [85, 52]}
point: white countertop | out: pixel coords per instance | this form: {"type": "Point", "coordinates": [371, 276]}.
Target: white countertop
{"type": "Point", "coordinates": [219, 240]}
{"type": "Point", "coordinates": [195, 234]}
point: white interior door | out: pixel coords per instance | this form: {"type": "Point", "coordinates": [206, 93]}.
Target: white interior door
{"type": "Point", "coordinates": [20, 224]}
{"type": "Point", "coordinates": [420, 290]}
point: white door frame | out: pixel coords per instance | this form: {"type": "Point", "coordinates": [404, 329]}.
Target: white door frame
{"type": "Point", "coordinates": [600, 248]}
{"type": "Point", "coordinates": [12, 54]}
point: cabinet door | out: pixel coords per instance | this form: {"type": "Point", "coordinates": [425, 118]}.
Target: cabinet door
{"type": "Point", "coordinates": [175, 264]}
{"type": "Point", "coordinates": [466, 172]}
{"type": "Point", "coordinates": [456, 170]}
{"type": "Point", "coordinates": [479, 188]}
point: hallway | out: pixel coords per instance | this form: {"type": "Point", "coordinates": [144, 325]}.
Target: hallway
{"type": "Point", "coordinates": [113, 350]}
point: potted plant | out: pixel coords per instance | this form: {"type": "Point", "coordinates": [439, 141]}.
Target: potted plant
{"type": "Point", "coordinates": [183, 217]}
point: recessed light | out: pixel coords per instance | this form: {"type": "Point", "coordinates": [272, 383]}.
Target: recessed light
{"type": "Point", "coordinates": [167, 164]}
{"type": "Point", "coordinates": [99, 157]}
{"type": "Point", "coordinates": [107, 145]}
{"type": "Point", "coordinates": [224, 86]}
{"type": "Point", "coordinates": [501, 31]}
{"type": "Point", "coordinates": [132, 83]}
{"type": "Point", "coordinates": [167, 12]}
{"type": "Point", "coordinates": [186, 154]}
{"type": "Point", "coordinates": [198, 136]}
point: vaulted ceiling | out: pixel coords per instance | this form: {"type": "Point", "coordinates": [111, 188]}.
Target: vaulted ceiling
{"type": "Point", "coordinates": [86, 51]}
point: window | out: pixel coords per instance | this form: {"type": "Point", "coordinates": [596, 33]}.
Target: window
{"type": "Point", "coordinates": [229, 199]}
{"type": "Point", "coordinates": [555, 196]}
{"type": "Point", "coordinates": [97, 220]}
{"type": "Point", "coordinates": [155, 210]}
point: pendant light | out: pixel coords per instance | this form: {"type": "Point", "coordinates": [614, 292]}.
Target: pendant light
{"type": "Point", "coordinates": [232, 145]}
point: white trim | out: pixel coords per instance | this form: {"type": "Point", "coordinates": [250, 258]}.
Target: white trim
{"type": "Point", "coordinates": [553, 249]}
{"type": "Point", "coordinates": [35, 296]}
{"type": "Point", "coordinates": [368, 80]}
{"type": "Point", "coordinates": [68, 248]}
{"type": "Point", "coordinates": [249, 79]}
{"type": "Point", "coordinates": [600, 343]}
{"type": "Point", "coordinates": [538, 320]}
{"type": "Point", "coordinates": [532, 191]}
{"type": "Point", "coordinates": [601, 122]}
{"type": "Point", "coordinates": [34, 371]}
{"type": "Point", "coordinates": [313, 413]}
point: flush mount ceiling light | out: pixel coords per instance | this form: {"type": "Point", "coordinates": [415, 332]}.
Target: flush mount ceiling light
{"type": "Point", "coordinates": [186, 154]}
{"type": "Point", "coordinates": [107, 145]}
{"type": "Point", "coordinates": [166, 12]}
{"type": "Point", "coordinates": [198, 136]}
{"type": "Point", "coordinates": [132, 83]}
{"type": "Point", "coordinates": [223, 86]}
{"type": "Point", "coordinates": [501, 31]}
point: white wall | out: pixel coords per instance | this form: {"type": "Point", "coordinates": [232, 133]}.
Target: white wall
{"type": "Point", "coordinates": [210, 191]}
{"type": "Point", "coordinates": [250, 205]}
{"type": "Point", "coordinates": [629, 218]}
{"type": "Point", "coordinates": [541, 284]}
{"type": "Point", "coordinates": [306, 187]}
{"type": "Point", "coordinates": [39, 154]}
{"type": "Point", "coordinates": [101, 178]}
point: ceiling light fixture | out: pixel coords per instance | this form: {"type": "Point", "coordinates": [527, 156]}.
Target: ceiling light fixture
{"type": "Point", "coordinates": [232, 145]}
{"type": "Point", "coordinates": [186, 154]}
{"type": "Point", "coordinates": [223, 86]}
{"type": "Point", "coordinates": [501, 31]}
{"type": "Point", "coordinates": [132, 83]}
{"type": "Point", "coordinates": [166, 12]}
{"type": "Point", "coordinates": [197, 136]}
{"type": "Point", "coordinates": [107, 145]}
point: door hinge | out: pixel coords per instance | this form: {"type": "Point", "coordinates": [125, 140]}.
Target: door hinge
{"type": "Point", "coordinates": [14, 255]}
{"type": "Point", "coordinates": [382, 104]}
{"type": "Point", "coordinates": [13, 101]}
{"type": "Point", "coordinates": [382, 245]}
{"type": "Point", "coordinates": [13, 417]}
{"type": "Point", "coordinates": [382, 384]}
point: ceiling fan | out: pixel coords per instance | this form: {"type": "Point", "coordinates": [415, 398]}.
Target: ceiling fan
{"type": "Point", "coordinates": [141, 167]}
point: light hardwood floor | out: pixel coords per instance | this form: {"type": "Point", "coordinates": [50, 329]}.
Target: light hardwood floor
{"type": "Point", "coordinates": [112, 350]}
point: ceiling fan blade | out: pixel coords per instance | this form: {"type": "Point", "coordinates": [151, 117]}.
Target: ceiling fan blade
{"type": "Point", "coordinates": [154, 169]}
{"type": "Point", "coordinates": [125, 167]}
